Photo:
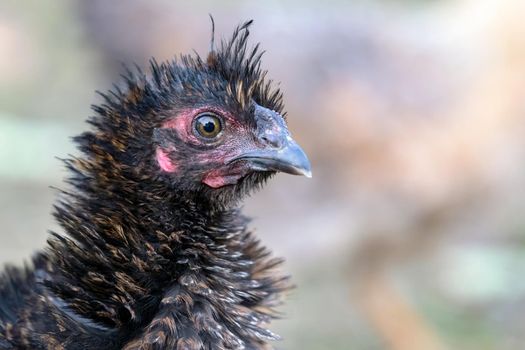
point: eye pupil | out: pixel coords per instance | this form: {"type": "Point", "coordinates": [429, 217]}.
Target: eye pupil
{"type": "Point", "coordinates": [208, 125]}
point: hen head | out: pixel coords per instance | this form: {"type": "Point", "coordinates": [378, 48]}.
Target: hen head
{"type": "Point", "coordinates": [215, 126]}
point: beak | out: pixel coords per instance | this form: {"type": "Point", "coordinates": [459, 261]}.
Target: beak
{"type": "Point", "coordinates": [290, 158]}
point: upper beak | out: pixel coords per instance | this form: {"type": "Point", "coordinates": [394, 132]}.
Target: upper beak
{"type": "Point", "coordinates": [290, 158]}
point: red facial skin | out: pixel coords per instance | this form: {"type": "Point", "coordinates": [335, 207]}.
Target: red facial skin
{"type": "Point", "coordinates": [224, 176]}
{"type": "Point", "coordinates": [165, 163]}
{"type": "Point", "coordinates": [234, 138]}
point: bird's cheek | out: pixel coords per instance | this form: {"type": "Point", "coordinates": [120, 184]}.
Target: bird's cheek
{"type": "Point", "coordinates": [164, 161]}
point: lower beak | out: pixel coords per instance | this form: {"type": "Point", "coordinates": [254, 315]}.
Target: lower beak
{"type": "Point", "coordinates": [290, 158]}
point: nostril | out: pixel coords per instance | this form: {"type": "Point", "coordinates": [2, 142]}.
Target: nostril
{"type": "Point", "coordinates": [272, 139]}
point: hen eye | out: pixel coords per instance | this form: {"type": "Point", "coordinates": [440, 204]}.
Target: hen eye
{"type": "Point", "coordinates": [208, 125]}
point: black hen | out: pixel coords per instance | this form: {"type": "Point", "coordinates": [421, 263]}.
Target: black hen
{"type": "Point", "coordinates": [155, 253]}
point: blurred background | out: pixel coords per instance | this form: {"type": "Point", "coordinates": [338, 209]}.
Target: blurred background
{"type": "Point", "coordinates": [411, 234]}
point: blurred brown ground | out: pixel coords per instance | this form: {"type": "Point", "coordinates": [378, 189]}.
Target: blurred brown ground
{"type": "Point", "coordinates": [411, 233]}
